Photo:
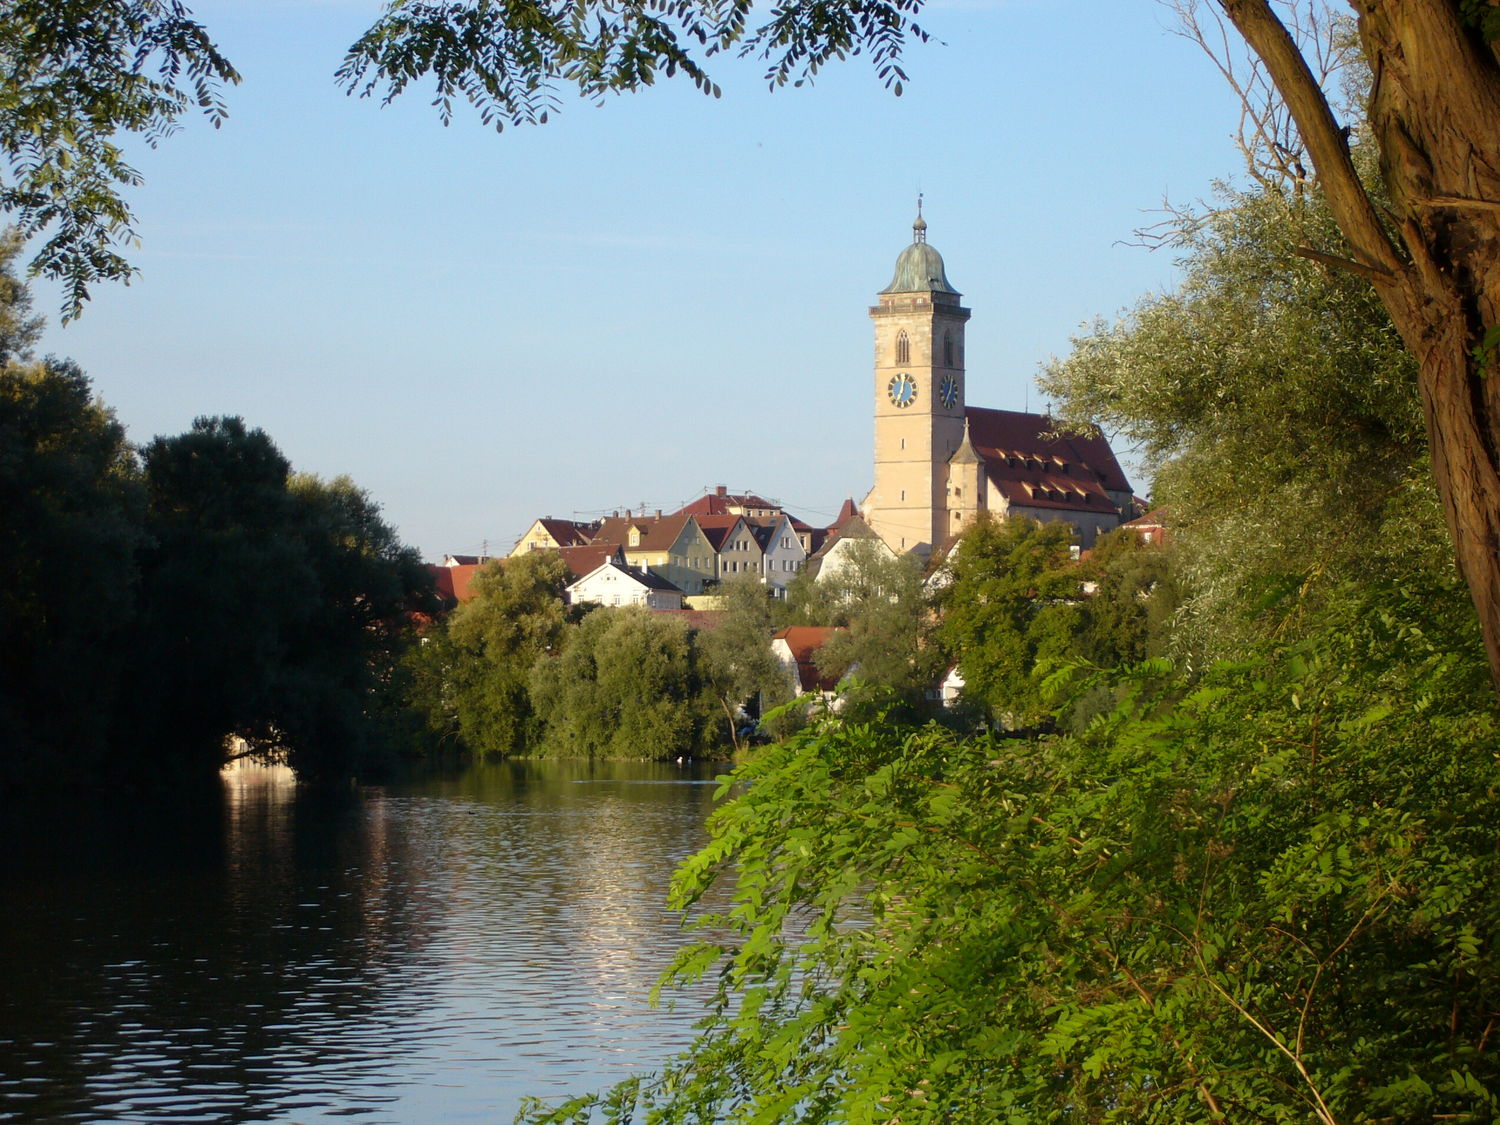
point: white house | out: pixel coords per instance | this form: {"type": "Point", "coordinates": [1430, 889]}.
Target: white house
{"type": "Point", "coordinates": [613, 584]}
{"type": "Point", "coordinates": [832, 557]}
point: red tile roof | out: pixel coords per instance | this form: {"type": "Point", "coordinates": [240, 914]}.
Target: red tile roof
{"type": "Point", "coordinates": [586, 560]}
{"type": "Point", "coordinates": [657, 533]}
{"type": "Point", "coordinates": [452, 582]}
{"type": "Point", "coordinates": [1031, 470]}
{"type": "Point", "coordinates": [804, 641]}
{"type": "Point", "coordinates": [721, 500]}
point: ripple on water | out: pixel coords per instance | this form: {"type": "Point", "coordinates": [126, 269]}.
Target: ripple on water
{"type": "Point", "coordinates": [424, 954]}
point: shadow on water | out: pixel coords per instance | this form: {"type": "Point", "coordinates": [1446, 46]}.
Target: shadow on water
{"type": "Point", "coordinates": [425, 951]}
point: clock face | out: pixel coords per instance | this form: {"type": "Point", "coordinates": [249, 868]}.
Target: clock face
{"type": "Point", "coordinates": [903, 390]}
{"type": "Point", "coordinates": [948, 392]}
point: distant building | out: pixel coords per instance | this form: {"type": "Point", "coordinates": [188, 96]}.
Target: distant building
{"type": "Point", "coordinates": [615, 585]}
{"type": "Point", "coordinates": [548, 534]}
{"type": "Point", "coordinates": [796, 649]}
{"type": "Point", "coordinates": [940, 462]}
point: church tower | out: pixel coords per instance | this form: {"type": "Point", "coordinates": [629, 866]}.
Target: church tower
{"type": "Point", "coordinates": [919, 398]}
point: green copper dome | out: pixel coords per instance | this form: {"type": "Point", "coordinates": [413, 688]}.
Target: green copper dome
{"type": "Point", "coordinates": [920, 267]}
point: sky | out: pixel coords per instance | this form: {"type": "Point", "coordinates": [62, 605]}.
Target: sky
{"type": "Point", "coordinates": [641, 299]}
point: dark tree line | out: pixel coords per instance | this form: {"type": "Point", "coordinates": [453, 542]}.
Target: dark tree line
{"type": "Point", "coordinates": [155, 602]}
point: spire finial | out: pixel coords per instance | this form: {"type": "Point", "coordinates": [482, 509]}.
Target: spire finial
{"type": "Point", "coordinates": [919, 228]}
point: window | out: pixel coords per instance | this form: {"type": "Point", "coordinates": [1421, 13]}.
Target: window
{"type": "Point", "coordinates": [947, 349]}
{"type": "Point", "coordinates": [903, 348]}
{"type": "Point", "coordinates": [903, 495]}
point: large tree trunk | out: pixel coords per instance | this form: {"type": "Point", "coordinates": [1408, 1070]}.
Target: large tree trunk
{"type": "Point", "coordinates": [1435, 111]}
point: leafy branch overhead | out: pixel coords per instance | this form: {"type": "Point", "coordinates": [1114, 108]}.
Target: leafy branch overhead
{"type": "Point", "coordinates": [509, 60]}
{"type": "Point", "coordinates": [76, 74]}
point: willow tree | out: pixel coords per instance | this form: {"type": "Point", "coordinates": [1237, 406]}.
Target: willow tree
{"type": "Point", "coordinates": [1434, 255]}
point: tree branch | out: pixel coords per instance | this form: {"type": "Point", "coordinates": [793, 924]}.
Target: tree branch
{"type": "Point", "coordinates": [1326, 144]}
{"type": "Point", "coordinates": [1371, 272]}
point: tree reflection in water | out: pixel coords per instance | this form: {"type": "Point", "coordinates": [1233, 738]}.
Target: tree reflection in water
{"type": "Point", "coordinates": [416, 953]}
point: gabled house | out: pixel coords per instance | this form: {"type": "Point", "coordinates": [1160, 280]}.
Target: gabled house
{"type": "Point", "coordinates": [673, 547]}
{"type": "Point", "coordinates": [548, 534]}
{"type": "Point", "coordinates": [795, 649]}
{"type": "Point", "coordinates": [833, 556]}
{"type": "Point", "coordinates": [738, 550]}
{"type": "Point", "coordinates": [589, 558]}
{"type": "Point", "coordinates": [615, 585]}
{"type": "Point", "coordinates": [782, 553]}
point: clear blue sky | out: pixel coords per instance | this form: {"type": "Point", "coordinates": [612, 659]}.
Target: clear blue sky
{"type": "Point", "coordinates": [642, 299]}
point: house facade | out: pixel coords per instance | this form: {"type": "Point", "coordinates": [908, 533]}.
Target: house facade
{"type": "Point", "coordinates": [615, 585]}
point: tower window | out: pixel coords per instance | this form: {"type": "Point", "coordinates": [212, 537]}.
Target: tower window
{"type": "Point", "coordinates": [903, 348]}
{"type": "Point", "coordinates": [948, 349]}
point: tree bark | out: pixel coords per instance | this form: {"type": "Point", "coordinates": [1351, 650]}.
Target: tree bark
{"type": "Point", "coordinates": [1435, 112]}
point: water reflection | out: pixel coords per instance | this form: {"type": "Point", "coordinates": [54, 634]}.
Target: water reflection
{"type": "Point", "coordinates": [422, 953]}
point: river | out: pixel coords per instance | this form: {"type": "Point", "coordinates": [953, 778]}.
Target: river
{"type": "Point", "coordinates": [417, 953]}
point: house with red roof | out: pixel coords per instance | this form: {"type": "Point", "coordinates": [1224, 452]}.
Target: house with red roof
{"type": "Point", "coordinates": [833, 556]}
{"type": "Point", "coordinates": [673, 547]}
{"type": "Point", "coordinates": [796, 649]}
{"type": "Point", "coordinates": [722, 502]}
{"type": "Point", "coordinates": [1149, 528]}
{"type": "Point", "coordinates": [548, 534]}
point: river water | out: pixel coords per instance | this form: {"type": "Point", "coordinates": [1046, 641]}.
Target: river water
{"type": "Point", "coordinates": [422, 953]}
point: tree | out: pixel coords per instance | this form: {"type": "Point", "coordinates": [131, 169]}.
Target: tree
{"type": "Point", "coordinates": [1265, 385]}
{"type": "Point", "coordinates": [735, 654]}
{"type": "Point", "coordinates": [515, 617]}
{"type": "Point", "coordinates": [271, 607]}
{"type": "Point", "coordinates": [75, 75]}
{"type": "Point", "coordinates": [1014, 598]}
{"type": "Point", "coordinates": [625, 685]}
{"type": "Point", "coordinates": [71, 493]}
{"type": "Point", "coordinates": [880, 607]}
{"type": "Point", "coordinates": [1261, 894]}
{"type": "Point", "coordinates": [1434, 111]}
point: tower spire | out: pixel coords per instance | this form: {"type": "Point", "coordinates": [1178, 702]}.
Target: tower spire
{"type": "Point", "coordinates": [919, 228]}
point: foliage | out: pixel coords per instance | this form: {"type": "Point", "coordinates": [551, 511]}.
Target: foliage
{"type": "Point", "coordinates": [1278, 407]}
{"type": "Point", "coordinates": [625, 685]}
{"type": "Point", "coordinates": [274, 607]}
{"type": "Point", "coordinates": [735, 654]}
{"type": "Point", "coordinates": [880, 605]}
{"type": "Point", "coordinates": [1129, 615]}
{"type": "Point", "coordinates": [515, 616]}
{"type": "Point", "coordinates": [1266, 896]}
{"type": "Point", "coordinates": [508, 60]}
{"type": "Point", "coordinates": [72, 504]}
{"type": "Point", "coordinates": [75, 75]}
{"type": "Point", "coordinates": [1013, 600]}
